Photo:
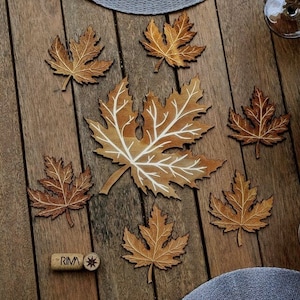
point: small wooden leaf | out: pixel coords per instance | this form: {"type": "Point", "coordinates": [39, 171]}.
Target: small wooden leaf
{"type": "Point", "coordinates": [260, 125]}
{"type": "Point", "coordinates": [62, 191]}
{"type": "Point", "coordinates": [174, 49]}
{"type": "Point", "coordinates": [161, 251]}
{"type": "Point", "coordinates": [240, 210]}
{"type": "Point", "coordinates": [82, 66]}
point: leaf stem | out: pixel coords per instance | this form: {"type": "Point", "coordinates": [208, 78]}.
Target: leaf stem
{"type": "Point", "coordinates": [257, 150]}
{"type": "Point", "coordinates": [69, 219]}
{"type": "Point", "coordinates": [157, 66]}
{"type": "Point", "coordinates": [64, 87]}
{"type": "Point", "coordinates": [150, 273]}
{"type": "Point", "coordinates": [112, 179]}
{"type": "Point", "coordinates": [240, 243]}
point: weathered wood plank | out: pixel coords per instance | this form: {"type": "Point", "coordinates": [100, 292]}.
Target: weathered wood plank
{"type": "Point", "coordinates": [16, 259]}
{"type": "Point", "coordinates": [49, 129]}
{"type": "Point", "coordinates": [140, 68]}
{"type": "Point", "coordinates": [223, 253]}
{"type": "Point", "coordinates": [122, 207]}
{"type": "Point", "coordinates": [251, 63]}
{"type": "Point", "coordinates": [288, 59]}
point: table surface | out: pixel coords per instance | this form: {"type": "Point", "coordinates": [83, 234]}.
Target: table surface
{"type": "Point", "coordinates": [38, 119]}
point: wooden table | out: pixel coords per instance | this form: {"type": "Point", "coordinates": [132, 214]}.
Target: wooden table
{"type": "Point", "coordinates": [39, 119]}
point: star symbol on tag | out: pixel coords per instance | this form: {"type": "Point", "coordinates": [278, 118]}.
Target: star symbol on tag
{"type": "Point", "coordinates": [91, 261]}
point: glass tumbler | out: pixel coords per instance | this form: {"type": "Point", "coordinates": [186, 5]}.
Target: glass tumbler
{"type": "Point", "coordinates": [283, 17]}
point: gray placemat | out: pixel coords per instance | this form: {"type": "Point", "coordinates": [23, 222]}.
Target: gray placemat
{"type": "Point", "coordinates": [258, 283]}
{"type": "Point", "coordinates": [150, 7]}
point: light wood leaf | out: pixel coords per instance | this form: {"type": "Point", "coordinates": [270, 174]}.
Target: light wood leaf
{"type": "Point", "coordinates": [240, 209]}
{"type": "Point", "coordinates": [174, 49]}
{"type": "Point", "coordinates": [160, 251]}
{"type": "Point", "coordinates": [171, 126]}
{"type": "Point", "coordinates": [82, 66]}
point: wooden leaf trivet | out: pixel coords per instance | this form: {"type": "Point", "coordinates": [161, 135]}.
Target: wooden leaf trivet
{"type": "Point", "coordinates": [82, 66]}
{"type": "Point", "coordinates": [160, 250]}
{"type": "Point", "coordinates": [62, 191]}
{"type": "Point", "coordinates": [260, 125]}
{"type": "Point", "coordinates": [240, 209]}
{"type": "Point", "coordinates": [174, 48]}
{"type": "Point", "coordinates": [165, 127]}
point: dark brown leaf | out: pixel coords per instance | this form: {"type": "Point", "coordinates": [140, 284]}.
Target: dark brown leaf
{"type": "Point", "coordinates": [62, 191]}
{"type": "Point", "coordinates": [260, 125]}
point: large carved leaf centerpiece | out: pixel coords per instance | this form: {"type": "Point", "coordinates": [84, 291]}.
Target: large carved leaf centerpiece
{"type": "Point", "coordinates": [164, 127]}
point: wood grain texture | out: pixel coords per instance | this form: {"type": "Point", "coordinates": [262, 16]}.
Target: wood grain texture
{"type": "Point", "coordinates": [40, 120]}
{"type": "Point", "coordinates": [16, 258]}
{"type": "Point", "coordinates": [49, 129]}
{"type": "Point", "coordinates": [288, 60]}
{"type": "Point", "coordinates": [121, 207]}
{"type": "Point", "coordinates": [251, 62]}
{"type": "Point", "coordinates": [142, 78]}
{"type": "Point", "coordinates": [223, 253]}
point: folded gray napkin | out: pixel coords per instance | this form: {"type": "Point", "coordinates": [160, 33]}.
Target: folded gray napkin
{"type": "Point", "coordinates": [144, 7]}
{"type": "Point", "coordinates": [259, 283]}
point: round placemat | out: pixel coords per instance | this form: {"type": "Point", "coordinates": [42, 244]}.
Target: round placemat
{"type": "Point", "coordinates": [146, 7]}
{"type": "Point", "coordinates": [258, 283]}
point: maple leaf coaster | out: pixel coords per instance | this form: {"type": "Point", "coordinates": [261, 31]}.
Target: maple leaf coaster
{"type": "Point", "coordinates": [165, 127]}
{"type": "Point", "coordinates": [82, 66]}
{"type": "Point", "coordinates": [260, 125]}
{"type": "Point", "coordinates": [240, 211]}
{"type": "Point", "coordinates": [62, 191]}
{"type": "Point", "coordinates": [174, 50]}
{"type": "Point", "coordinates": [160, 251]}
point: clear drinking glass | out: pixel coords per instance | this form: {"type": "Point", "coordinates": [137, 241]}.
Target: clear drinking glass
{"type": "Point", "coordinates": [283, 17]}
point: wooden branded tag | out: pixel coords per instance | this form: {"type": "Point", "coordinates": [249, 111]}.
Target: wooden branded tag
{"type": "Point", "coordinates": [66, 261]}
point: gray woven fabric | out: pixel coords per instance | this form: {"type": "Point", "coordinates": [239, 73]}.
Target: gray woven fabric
{"type": "Point", "coordinates": [147, 7]}
{"type": "Point", "coordinates": [260, 283]}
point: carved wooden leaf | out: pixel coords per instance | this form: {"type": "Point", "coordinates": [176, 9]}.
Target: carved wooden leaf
{"type": "Point", "coordinates": [174, 48]}
{"type": "Point", "coordinates": [240, 209]}
{"type": "Point", "coordinates": [62, 191]}
{"type": "Point", "coordinates": [260, 125]}
{"type": "Point", "coordinates": [164, 128]}
{"type": "Point", "coordinates": [160, 251]}
{"type": "Point", "coordinates": [82, 66]}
